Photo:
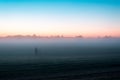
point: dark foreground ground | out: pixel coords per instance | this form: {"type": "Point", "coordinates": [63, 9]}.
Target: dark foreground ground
{"type": "Point", "coordinates": [73, 69]}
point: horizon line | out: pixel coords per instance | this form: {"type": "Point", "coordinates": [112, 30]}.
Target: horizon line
{"type": "Point", "coordinates": [56, 36]}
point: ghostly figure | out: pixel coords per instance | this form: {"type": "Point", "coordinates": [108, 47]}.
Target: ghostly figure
{"type": "Point", "coordinates": [36, 51]}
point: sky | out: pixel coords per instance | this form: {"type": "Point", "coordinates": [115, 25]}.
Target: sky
{"type": "Point", "coordinates": [90, 18]}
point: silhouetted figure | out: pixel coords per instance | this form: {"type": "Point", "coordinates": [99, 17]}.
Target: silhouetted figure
{"type": "Point", "coordinates": [36, 51]}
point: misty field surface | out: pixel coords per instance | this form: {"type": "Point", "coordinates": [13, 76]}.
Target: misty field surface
{"type": "Point", "coordinates": [60, 59]}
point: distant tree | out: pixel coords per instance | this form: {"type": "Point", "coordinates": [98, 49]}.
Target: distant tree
{"type": "Point", "coordinates": [79, 36]}
{"type": "Point", "coordinates": [107, 36]}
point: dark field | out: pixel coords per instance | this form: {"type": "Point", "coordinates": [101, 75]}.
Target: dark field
{"type": "Point", "coordinates": [60, 59]}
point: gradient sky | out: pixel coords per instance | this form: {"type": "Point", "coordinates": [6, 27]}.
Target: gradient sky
{"type": "Point", "coordinates": [60, 17]}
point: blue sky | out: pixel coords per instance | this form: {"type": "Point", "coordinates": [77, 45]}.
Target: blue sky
{"type": "Point", "coordinates": [60, 17]}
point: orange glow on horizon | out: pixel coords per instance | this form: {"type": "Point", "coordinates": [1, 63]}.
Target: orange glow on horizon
{"type": "Point", "coordinates": [65, 35]}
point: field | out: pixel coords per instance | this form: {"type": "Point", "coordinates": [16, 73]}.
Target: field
{"type": "Point", "coordinates": [60, 59]}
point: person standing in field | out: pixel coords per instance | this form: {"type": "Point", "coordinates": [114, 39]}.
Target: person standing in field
{"type": "Point", "coordinates": [36, 51]}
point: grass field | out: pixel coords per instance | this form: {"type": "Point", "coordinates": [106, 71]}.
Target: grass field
{"type": "Point", "coordinates": [74, 59]}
